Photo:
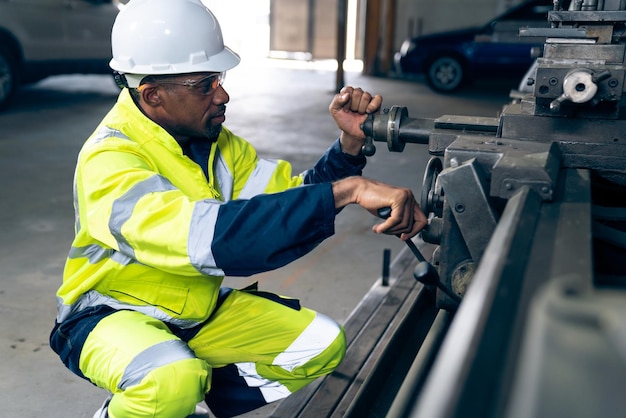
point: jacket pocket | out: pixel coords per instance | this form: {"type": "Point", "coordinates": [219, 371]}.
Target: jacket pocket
{"type": "Point", "coordinates": [136, 292]}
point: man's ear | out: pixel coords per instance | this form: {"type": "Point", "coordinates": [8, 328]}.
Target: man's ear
{"type": "Point", "coordinates": [150, 94]}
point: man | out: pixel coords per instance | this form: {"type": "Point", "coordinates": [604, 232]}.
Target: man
{"type": "Point", "coordinates": [168, 201]}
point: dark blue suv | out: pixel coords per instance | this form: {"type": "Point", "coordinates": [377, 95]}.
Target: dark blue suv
{"type": "Point", "coordinates": [448, 60]}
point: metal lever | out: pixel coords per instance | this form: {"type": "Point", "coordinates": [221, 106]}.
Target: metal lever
{"type": "Point", "coordinates": [424, 272]}
{"type": "Point", "coordinates": [579, 86]}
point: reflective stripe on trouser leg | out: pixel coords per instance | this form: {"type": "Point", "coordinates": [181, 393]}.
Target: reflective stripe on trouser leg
{"type": "Point", "coordinates": [269, 350]}
{"type": "Point", "coordinates": [150, 372]}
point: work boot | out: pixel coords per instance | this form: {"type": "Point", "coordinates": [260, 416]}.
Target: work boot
{"type": "Point", "coordinates": [200, 412]}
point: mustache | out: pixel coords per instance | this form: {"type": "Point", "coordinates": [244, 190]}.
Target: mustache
{"type": "Point", "coordinates": [220, 111]}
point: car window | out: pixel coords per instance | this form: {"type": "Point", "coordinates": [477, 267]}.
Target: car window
{"type": "Point", "coordinates": [505, 29]}
{"type": "Point", "coordinates": [533, 12]}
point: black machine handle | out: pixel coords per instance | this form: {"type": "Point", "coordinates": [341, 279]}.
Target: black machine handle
{"type": "Point", "coordinates": [424, 272]}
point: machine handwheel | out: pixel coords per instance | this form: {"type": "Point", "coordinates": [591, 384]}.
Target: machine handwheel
{"type": "Point", "coordinates": [430, 201]}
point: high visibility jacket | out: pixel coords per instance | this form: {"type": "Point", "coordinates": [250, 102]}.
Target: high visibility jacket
{"type": "Point", "coordinates": [156, 234]}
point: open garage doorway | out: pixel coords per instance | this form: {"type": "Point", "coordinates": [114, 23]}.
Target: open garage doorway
{"type": "Point", "coordinates": [295, 30]}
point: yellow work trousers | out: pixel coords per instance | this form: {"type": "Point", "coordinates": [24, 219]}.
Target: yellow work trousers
{"type": "Point", "coordinates": [252, 351]}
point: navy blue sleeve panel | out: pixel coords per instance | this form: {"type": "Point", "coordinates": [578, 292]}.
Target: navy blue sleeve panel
{"type": "Point", "coordinates": [271, 230]}
{"type": "Point", "coordinates": [334, 165]}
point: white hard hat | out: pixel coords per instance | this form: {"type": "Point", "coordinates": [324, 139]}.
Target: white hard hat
{"type": "Point", "coordinates": [152, 37]}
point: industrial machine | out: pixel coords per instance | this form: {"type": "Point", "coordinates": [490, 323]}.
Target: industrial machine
{"type": "Point", "coordinates": [519, 307]}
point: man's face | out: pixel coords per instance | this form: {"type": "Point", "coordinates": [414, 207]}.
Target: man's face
{"type": "Point", "coordinates": [192, 105]}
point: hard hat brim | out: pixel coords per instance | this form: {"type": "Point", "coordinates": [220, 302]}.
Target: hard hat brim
{"type": "Point", "coordinates": [223, 61]}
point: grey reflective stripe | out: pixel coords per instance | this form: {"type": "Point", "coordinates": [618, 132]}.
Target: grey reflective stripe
{"type": "Point", "coordinates": [315, 338]}
{"type": "Point", "coordinates": [259, 179]}
{"type": "Point", "coordinates": [104, 133]}
{"type": "Point", "coordinates": [223, 176]}
{"type": "Point", "coordinates": [95, 253]}
{"type": "Point", "coordinates": [201, 233]}
{"type": "Point", "coordinates": [94, 298]}
{"type": "Point", "coordinates": [75, 202]}
{"type": "Point", "coordinates": [271, 390]}
{"type": "Point", "coordinates": [123, 208]}
{"type": "Point", "coordinates": [159, 355]}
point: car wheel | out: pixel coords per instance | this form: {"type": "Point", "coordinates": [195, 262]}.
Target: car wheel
{"type": "Point", "coordinates": [9, 80]}
{"type": "Point", "coordinates": [445, 74]}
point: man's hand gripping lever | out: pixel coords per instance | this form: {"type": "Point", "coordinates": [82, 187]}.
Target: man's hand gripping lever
{"type": "Point", "coordinates": [424, 272]}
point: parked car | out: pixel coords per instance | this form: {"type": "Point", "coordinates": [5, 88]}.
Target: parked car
{"type": "Point", "coordinates": [448, 60]}
{"type": "Point", "coordinates": [39, 38]}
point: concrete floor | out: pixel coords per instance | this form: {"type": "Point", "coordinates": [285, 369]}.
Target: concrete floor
{"type": "Point", "coordinates": [282, 110]}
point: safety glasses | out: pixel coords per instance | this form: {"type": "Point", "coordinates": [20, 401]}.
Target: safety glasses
{"type": "Point", "coordinates": [205, 86]}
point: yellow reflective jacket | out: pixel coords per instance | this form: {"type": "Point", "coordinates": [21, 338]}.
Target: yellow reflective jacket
{"type": "Point", "coordinates": [155, 233]}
